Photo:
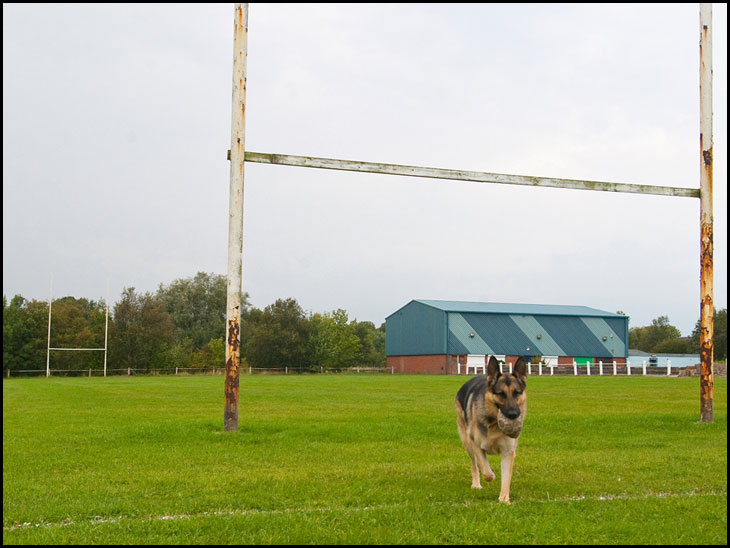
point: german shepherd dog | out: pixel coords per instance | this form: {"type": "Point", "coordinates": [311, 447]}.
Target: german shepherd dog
{"type": "Point", "coordinates": [490, 411]}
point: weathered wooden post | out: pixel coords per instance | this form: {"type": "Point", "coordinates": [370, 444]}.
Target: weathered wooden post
{"type": "Point", "coordinates": [235, 218]}
{"type": "Point", "coordinates": [48, 347]}
{"type": "Point", "coordinates": [706, 247]}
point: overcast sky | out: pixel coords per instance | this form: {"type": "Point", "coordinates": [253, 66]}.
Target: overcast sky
{"type": "Point", "coordinates": [116, 122]}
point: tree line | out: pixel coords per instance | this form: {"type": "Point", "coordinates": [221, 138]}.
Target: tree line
{"type": "Point", "coordinates": [182, 325]}
{"type": "Point", "coordinates": [663, 338]}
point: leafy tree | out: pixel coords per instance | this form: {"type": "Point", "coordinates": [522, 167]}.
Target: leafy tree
{"type": "Point", "coordinates": [197, 307]}
{"type": "Point", "coordinates": [142, 331]}
{"type": "Point", "coordinates": [250, 320]}
{"type": "Point", "coordinates": [372, 343]}
{"type": "Point", "coordinates": [25, 331]}
{"type": "Point", "coordinates": [281, 338]}
{"type": "Point", "coordinates": [183, 325]}
{"type": "Point", "coordinates": [177, 354]}
{"type": "Point", "coordinates": [637, 338]}
{"type": "Point", "coordinates": [682, 345]}
{"type": "Point", "coordinates": [77, 323]}
{"type": "Point", "coordinates": [649, 337]}
{"type": "Point", "coordinates": [719, 337]}
{"type": "Point", "coordinates": [334, 341]}
{"type": "Point", "coordinates": [212, 354]}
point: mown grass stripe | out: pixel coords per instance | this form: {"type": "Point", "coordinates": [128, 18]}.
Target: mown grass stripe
{"type": "Point", "coordinates": [97, 520]}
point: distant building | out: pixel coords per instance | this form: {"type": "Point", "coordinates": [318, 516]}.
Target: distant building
{"type": "Point", "coordinates": [427, 336]}
{"type": "Point", "coordinates": [638, 357]}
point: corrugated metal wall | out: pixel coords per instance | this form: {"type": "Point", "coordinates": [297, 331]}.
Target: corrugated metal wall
{"type": "Point", "coordinates": [419, 329]}
{"type": "Point", "coordinates": [414, 330]}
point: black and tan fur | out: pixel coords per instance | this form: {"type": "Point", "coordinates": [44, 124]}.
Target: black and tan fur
{"type": "Point", "coordinates": [477, 405]}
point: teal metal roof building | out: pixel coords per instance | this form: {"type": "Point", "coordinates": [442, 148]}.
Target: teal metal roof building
{"type": "Point", "coordinates": [438, 328]}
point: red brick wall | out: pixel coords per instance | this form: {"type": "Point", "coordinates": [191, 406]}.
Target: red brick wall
{"type": "Point", "coordinates": [431, 364]}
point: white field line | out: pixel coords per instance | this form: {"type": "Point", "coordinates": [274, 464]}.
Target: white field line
{"type": "Point", "coordinates": [97, 520]}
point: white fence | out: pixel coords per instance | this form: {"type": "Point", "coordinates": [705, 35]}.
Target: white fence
{"type": "Point", "coordinates": [190, 370]}
{"type": "Point", "coordinates": [129, 371]}
{"type": "Point", "coordinates": [601, 368]}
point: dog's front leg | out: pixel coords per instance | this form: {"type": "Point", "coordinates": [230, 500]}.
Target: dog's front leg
{"type": "Point", "coordinates": [475, 483]}
{"type": "Point", "coordinates": [508, 464]}
{"type": "Point", "coordinates": [483, 463]}
{"type": "Point", "coordinates": [479, 463]}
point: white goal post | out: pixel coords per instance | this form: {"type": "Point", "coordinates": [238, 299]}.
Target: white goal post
{"type": "Point", "coordinates": [48, 345]}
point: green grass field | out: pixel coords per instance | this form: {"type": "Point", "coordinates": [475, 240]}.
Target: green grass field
{"type": "Point", "coordinates": [356, 459]}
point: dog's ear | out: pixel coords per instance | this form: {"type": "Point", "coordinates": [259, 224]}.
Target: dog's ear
{"type": "Point", "coordinates": [492, 371]}
{"type": "Point", "coordinates": [520, 370]}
